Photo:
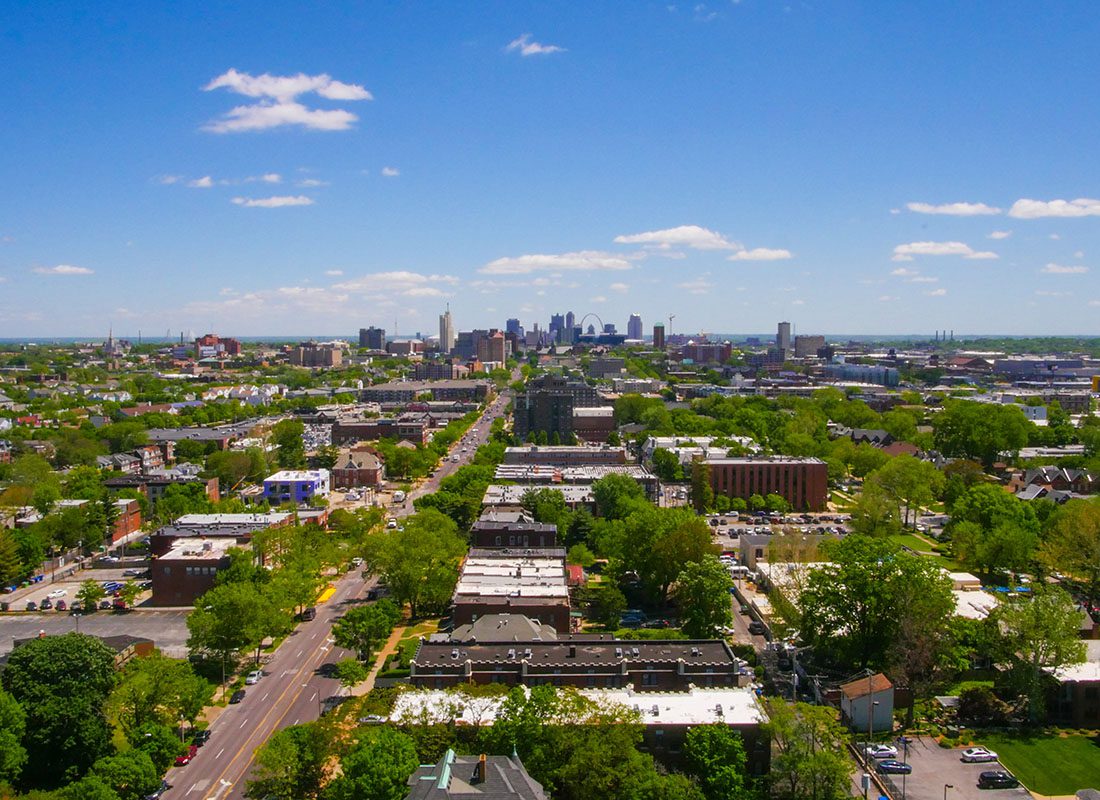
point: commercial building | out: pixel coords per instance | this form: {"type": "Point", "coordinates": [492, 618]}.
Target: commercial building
{"type": "Point", "coordinates": [555, 476]}
{"type": "Point", "coordinates": [546, 405]}
{"type": "Point", "coordinates": [127, 519]}
{"type": "Point", "coordinates": [407, 391]}
{"type": "Point", "coordinates": [446, 331]}
{"type": "Point", "coordinates": [783, 337]}
{"type": "Point", "coordinates": [439, 371]}
{"type": "Point", "coordinates": [492, 349]}
{"type": "Point", "coordinates": [189, 570]}
{"type": "Point", "coordinates": [863, 373]}
{"type": "Point", "coordinates": [564, 455]}
{"type": "Point", "coordinates": [348, 431]}
{"type": "Point", "coordinates": [317, 354]}
{"type": "Point", "coordinates": [488, 533]}
{"type": "Point", "coordinates": [531, 583]}
{"type": "Point", "coordinates": [808, 346]}
{"type": "Point", "coordinates": [634, 327]}
{"type": "Point", "coordinates": [659, 336]}
{"type": "Point", "coordinates": [233, 527]}
{"type": "Point", "coordinates": [154, 486]}
{"type": "Point", "coordinates": [584, 661]}
{"type": "Point", "coordinates": [511, 496]}
{"type": "Point", "coordinates": [405, 347]}
{"type": "Point", "coordinates": [867, 704]}
{"type": "Point", "coordinates": [212, 346]}
{"type": "Point", "coordinates": [706, 352]}
{"type": "Point", "coordinates": [372, 338]}
{"type": "Point", "coordinates": [802, 482]}
{"type": "Point", "coordinates": [296, 486]}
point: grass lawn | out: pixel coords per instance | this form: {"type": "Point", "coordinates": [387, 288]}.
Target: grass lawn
{"type": "Point", "coordinates": [1050, 764]}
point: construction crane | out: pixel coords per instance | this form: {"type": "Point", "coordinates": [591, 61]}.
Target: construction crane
{"type": "Point", "coordinates": [670, 318]}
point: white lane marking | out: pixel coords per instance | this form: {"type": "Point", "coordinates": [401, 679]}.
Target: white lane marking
{"type": "Point", "coordinates": [295, 721]}
{"type": "Point", "coordinates": [243, 722]}
{"type": "Point", "coordinates": [219, 755]}
{"type": "Point", "coordinates": [313, 698]}
{"type": "Point", "coordinates": [264, 698]}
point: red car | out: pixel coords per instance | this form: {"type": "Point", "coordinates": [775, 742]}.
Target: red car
{"type": "Point", "coordinates": [185, 759]}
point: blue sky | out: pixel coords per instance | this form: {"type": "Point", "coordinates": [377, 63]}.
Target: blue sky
{"type": "Point", "coordinates": [278, 168]}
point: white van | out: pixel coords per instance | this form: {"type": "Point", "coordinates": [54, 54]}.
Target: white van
{"type": "Point", "coordinates": [399, 497]}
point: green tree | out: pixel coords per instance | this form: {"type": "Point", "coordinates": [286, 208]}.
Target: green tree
{"type": "Point", "coordinates": [11, 566]}
{"type": "Point", "coordinates": [1039, 635]}
{"type": "Point", "coordinates": [161, 742]}
{"type": "Point", "coordinates": [157, 690]}
{"type": "Point", "coordinates": [852, 607]}
{"type": "Point", "coordinates": [287, 437]}
{"type": "Point", "coordinates": [91, 787]}
{"type": "Point", "coordinates": [875, 513]}
{"type": "Point", "coordinates": [419, 563]}
{"type": "Point", "coordinates": [703, 595]}
{"type": "Point", "coordinates": [580, 554]}
{"type": "Point", "coordinates": [351, 671]}
{"type": "Point", "coordinates": [702, 495]}
{"type": "Point", "coordinates": [716, 757]}
{"type": "Point", "coordinates": [1072, 544]}
{"type": "Point", "coordinates": [910, 482]}
{"type": "Point", "coordinates": [233, 617]}
{"type": "Point", "coordinates": [546, 505]}
{"type": "Point", "coordinates": [617, 496]}
{"type": "Point", "coordinates": [294, 765]}
{"type": "Point", "coordinates": [606, 605]}
{"type": "Point", "coordinates": [991, 530]}
{"type": "Point", "coordinates": [666, 465]}
{"type": "Point", "coordinates": [13, 724]}
{"type": "Point", "coordinates": [363, 628]}
{"type": "Point", "coordinates": [378, 767]}
{"type": "Point", "coordinates": [130, 592]}
{"type": "Point", "coordinates": [809, 760]}
{"type": "Point", "coordinates": [979, 431]}
{"type": "Point", "coordinates": [131, 774]}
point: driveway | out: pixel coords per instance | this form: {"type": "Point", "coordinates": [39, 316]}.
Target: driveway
{"type": "Point", "coordinates": [935, 766]}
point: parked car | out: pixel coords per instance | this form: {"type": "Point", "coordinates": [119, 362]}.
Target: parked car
{"type": "Point", "coordinates": [185, 759]}
{"type": "Point", "coordinates": [756, 627]}
{"type": "Point", "coordinates": [57, 593]}
{"type": "Point", "coordinates": [32, 606]}
{"type": "Point", "coordinates": [159, 791]}
{"type": "Point", "coordinates": [881, 751]}
{"type": "Point", "coordinates": [237, 697]}
{"type": "Point", "coordinates": [61, 605]}
{"type": "Point", "coordinates": [977, 754]}
{"type": "Point", "coordinates": [104, 605]}
{"type": "Point", "coordinates": [45, 605]}
{"type": "Point", "coordinates": [997, 779]}
{"type": "Point", "coordinates": [199, 738]}
{"type": "Point", "coordinates": [254, 677]}
{"type": "Point", "coordinates": [891, 766]}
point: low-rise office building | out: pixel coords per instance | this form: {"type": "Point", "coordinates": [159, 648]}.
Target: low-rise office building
{"type": "Point", "coordinates": [407, 391]}
{"type": "Point", "coordinates": [530, 582]}
{"type": "Point", "coordinates": [489, 533]}
{"type": "Point", "coordinates": [802, 482]}
{"type": "Point", "coordinates": [237, 527]}
{"type": "Point", "coordinates": [188, 570]}
{"type": "Point", "coordinates": [154, 486]}
{"type": "Point", "coordinates": [565, 455]}
{"type": "Point", "coordinates": [296, 486]}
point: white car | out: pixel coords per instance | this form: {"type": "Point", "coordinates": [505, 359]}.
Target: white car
{"type": "Point", "coordinates": [57, 593]}
{"type": "Point", "coordinates": [881, 751]}
{"type": "Point", "coordinates": [977, 754]}
{"type": "Point", "coordinates": [254, 677]}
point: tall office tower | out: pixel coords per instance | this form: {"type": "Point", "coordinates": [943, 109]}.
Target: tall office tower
{"type": "Point", "coordinates": [783, 336]}
{"type": "Point", "coordinates": [557, 324]}
{"type": "Point", "coordinates": [513, 327]}
{"type": "Point", "coordinates": [372, 338]}
{"type": "Point", "coordinates": [659, 336]}
{"type": "Point", "coordinates": [446, 331]}
{"type": "Point", "coordinates": [570, 320]}
{"type": "Point", "coordinates": [634, 327]}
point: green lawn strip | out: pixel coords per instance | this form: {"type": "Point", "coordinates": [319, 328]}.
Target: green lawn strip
{"type": "Point", "coordinates": [1048, 763]}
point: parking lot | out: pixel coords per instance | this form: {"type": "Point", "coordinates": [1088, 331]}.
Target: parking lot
{"type": "Point", "coordinates": [168, 629]}
{"type": "Point", "coordinates": [70, 585]}
{"type": "Point", "coordinates": [935, 767]}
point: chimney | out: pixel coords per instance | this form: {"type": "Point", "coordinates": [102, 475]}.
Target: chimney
{"type": "Point", "coordinates": [481, 769]}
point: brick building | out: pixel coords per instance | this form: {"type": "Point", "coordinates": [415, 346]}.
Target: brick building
{"type": "Point", "coordinates": [488, 533]}
{"type": "Point", "coordinates": [547, 403]}
{"type": "Point", "coordinates": [188, 570]}
{"type": "Point", "coordinates": [357, 467]}
{"type": "Point", "coordinates": [531, 582]}
{"type": "Point", "coordinates": [802, 482]}
{"type": "Point", "coordinates": [346, 431]}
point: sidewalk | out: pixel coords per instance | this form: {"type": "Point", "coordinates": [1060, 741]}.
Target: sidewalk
{"type": "Point", "coordinates": [388, 649]}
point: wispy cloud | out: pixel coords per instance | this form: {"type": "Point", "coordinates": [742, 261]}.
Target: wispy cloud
{"type": "Point", "coordinates": [761, 254]}
{"type": "Point", "coordinates": [693, 236]}
{"type": "Point", "coordinates": [1035, 209]}
{"type": "Point", "coordinates": [953, 209]}
{"type": "Point", "coordinates": [310, 183]}
{"type": "Point", "coordinates": [270, 177]}
{"type": "Point", "coordinates": [903, 272]}
{"type": "Point", "coordinates": [205, 182]}
{"type": "Point", "coordinates": [937, 293]}
{"type": "Point", "coordinates": [63, 269]}
{"type": "Point", "coordinates": [999, 235]}
{"type": "Point", "coordinates": [168, 180]}
{"type": "Point", "coordinates": [619, 287]}
{"type": "Point", "coordinates": [278, 104]}
{"type": "Point", "coordinates": [697, 286]}
{"type": "Point", "coordinates": [580, 260]}
{"type": "Point", "coordinates": [334, 273]}
{"type": "Point", "coordinates": [390, 172]}
{"type": "Point", "coordinates": [906, 252]}
{"type": "Point", "coordinates": [279, 201]}
{"type": "Point", "coordinates": [525, 46]}
{"type": "Point", "coordinates": [1059, 269]}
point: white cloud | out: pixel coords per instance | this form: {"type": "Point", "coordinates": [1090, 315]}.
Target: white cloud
{"type": "Point", "coordinates": [953, 209]}
{"type": "Point", "coordinates": [693, 236]}
{"type": "Point", "coordinates": [526, 47]}
{"type": "Point", "coordinates": [597, 299]}
{"type": "Point", "coordinates": [1094, 302]}
{"type": "Point", "coordinates": [903, 272]}
{"type": "Point", "coordinates": [1058, 269]}
{"type": "Point", "coordinates": [205, 182]}
{"type": "Point", "coordinates": [761, 254]}
{"type": "Point", "coordinates": [999, 235]}
{"type": "Point", "coordinates": [279, 201]}
{"type": "Point", "coordinates": [924, 279]}
{"type": "Point", "coordinates": [278, 106]}
{"type": "Point", "coordinates": [390, 172]}
{"type": "Point", "coordinates": [697, 286]}
{"type": "Point", "coordinates": [905, 252]}
{"type": "Point", "coordinates": [1035, 209]}
{"type": "Point", "coordinates": [1046, 293]}
{"type": "Point", "coordinates": [394, 282]}
{"type": "Point", "coordinates": [310, 183]}
{"type": "Point", "coordinates": [1054, 236]}
{"type": "Point", "coordinates": [798, 302]}
{"type": "Point", "coordinates": [271, 177]}
{"type": "Point", "coordinates": [887, 298]}
{"type": "Point", "coordinates": [580, 260]}
{"type": "Point", "coordinates": [168, 180]}
{"type": "Point", "coordinates": [63, 269]}
{"type": "Point", "coordinates": [619, 287]}
{"type": "Point", "coordinates": [936, 293]}
{"type": "Point", "coordinates": [334, 273]}
{"type": "Point", "coordinates": [1079, 254]}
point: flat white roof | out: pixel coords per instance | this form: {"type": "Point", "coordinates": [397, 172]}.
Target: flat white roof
{"type": "Point", "coordinates": [512, 577]}
{"type": "Point", "coordinates": [973, 603]}
{"type": "Point", "coordinates": [194, 548]}
{"type": "Point", "coordinates": [287, 475]}
{"type": "Point", "coordinates": [739, 706]}
{"type": "Point", "coordinates": [196, 520]}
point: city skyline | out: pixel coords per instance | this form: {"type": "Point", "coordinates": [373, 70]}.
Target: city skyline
{"type": "Point", "coordinates": [729, 163]}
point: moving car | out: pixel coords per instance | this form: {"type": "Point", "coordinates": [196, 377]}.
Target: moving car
{"type": "Point", "coordinates": [997, 779]}
{"type": "Point", "coordinates": [891, 766]}
{"type": "Point", "coordinates": [977, 754]}
{"type": "Point", "coordinates": [237, 697]}
{"type": "Point", "coordinates": [254, 677]}
{"type": "Point", "coordinates": [881, 751]}
{"type": "Point", "coordinates": [185, 759]}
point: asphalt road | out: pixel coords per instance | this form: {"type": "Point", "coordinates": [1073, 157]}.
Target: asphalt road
{"type": "Point", "coordinates": [292, 689]}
